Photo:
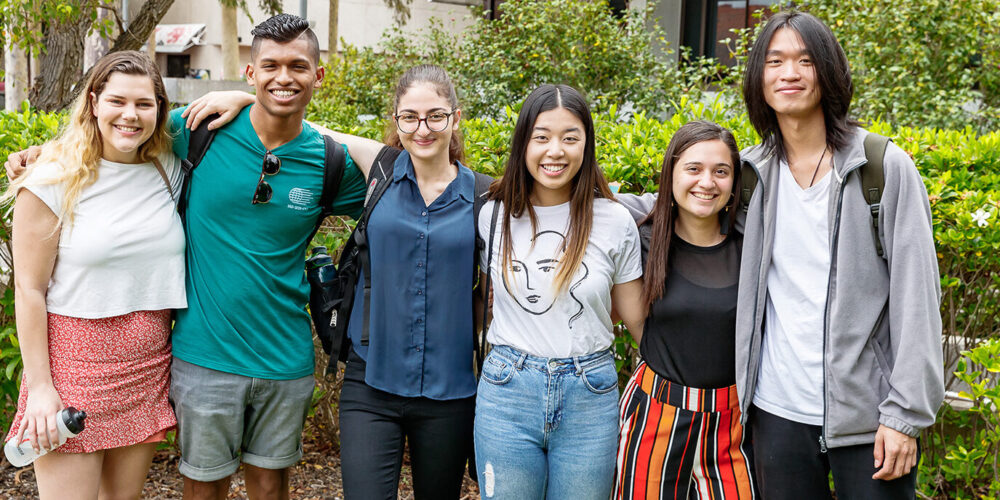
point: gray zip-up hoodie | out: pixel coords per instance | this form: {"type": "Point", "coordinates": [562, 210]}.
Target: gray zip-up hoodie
{"type": "Point", "coordinates": [882, 355]}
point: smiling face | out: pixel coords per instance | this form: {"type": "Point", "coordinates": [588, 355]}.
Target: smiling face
{"type": "Point", "coordinates": [285, 76]}
{"type": "Point", "coordinates": [423, 104]}
{"type": "Point", "coordinates": [790, 85]}
{"type": "Point", "coordinates": [703, 180]}
{"type": "Point", "coordinates": [554, 155]}
{"type": "Point", "coordinates": [126, 112]}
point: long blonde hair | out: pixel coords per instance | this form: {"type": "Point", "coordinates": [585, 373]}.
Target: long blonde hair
{"type": "Point", "coordinates": [79, 148]}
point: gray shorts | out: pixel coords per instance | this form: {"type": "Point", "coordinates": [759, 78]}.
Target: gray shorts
{"type": "Point", "coordinates": [223, 418]}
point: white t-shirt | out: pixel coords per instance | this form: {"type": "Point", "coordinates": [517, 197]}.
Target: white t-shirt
{"type": "Point", "coordinates": [790, 382]}
{"type": "Point", "coordinates": [527, 313]}
{"type": "Point", "coordinates": [124, 251]}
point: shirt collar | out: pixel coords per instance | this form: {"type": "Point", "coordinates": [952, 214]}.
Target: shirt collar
{"type": "Point", "coordinates": [462, 187]}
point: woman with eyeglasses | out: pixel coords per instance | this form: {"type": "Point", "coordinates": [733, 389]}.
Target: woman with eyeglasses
{"type": "Point", "coordinates": [409, 378]}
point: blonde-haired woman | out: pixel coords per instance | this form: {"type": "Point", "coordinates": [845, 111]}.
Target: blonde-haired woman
{"type": "Point", "coordinates": [99, 263]}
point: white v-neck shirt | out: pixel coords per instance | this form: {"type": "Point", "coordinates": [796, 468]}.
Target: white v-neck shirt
{"type": "Point", "coordinates": [790, 381]}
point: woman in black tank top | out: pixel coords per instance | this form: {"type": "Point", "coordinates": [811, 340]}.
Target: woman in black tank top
{"type": "Point", "coordinates": [680, 420]}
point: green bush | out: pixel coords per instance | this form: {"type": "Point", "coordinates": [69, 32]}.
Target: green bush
{"type": "Point", "coordinates": [17, 132]}
{"type": "Point", "coordinates": [494, 62]}
{"type": "Point", "coordinates": [926, 63]}
{"type": "Point", "coordinates": [961, 171]}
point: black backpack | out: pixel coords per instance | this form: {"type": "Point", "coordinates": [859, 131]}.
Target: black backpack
{"type": "Point", "coordinates": [333, 173]}
{"type": "Point", "coordinates": [872, 182]}
{"type": "Point", "coordinates": [354, 259]}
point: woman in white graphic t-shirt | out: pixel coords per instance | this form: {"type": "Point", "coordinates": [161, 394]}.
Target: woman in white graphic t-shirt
{"type": "Point", "coordinates": [562, 252]}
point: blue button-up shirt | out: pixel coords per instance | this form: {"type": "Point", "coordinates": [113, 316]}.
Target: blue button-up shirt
{"type": "Point", "coordinates": [420, 327]}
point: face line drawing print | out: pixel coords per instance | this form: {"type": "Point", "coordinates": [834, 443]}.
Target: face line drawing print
{"type": "Point", "coordinates": [530, 291]}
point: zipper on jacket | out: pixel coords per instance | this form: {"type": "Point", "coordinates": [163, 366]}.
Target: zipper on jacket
{"type": "Point", "coordinates": [826, 310]}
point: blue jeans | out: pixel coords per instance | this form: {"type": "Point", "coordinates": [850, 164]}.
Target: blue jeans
{"type": "Point", "coordinates": [546, 427]}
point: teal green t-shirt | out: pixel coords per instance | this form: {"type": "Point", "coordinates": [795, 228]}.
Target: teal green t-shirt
{"type": "Point", "coordinates": [246, 285]}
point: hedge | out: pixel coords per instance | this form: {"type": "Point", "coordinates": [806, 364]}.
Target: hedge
{"type": "Point", "coordinates": [961, 170]}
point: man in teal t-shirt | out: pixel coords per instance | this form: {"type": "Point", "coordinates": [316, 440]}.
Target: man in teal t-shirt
{"type": "Point", "coordinates": [242, 377]}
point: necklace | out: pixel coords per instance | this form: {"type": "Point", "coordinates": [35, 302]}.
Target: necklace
{"type": "Point", "coordinates": [816, 170]}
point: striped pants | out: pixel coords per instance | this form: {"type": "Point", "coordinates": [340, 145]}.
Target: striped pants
{"type": "Point", "coordinates": [681, 442]}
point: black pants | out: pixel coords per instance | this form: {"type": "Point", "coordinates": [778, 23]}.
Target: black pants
{"type": "Point", "coordinates": [790, 465]}
{"type": "Point", "coordinates": [375, 425]}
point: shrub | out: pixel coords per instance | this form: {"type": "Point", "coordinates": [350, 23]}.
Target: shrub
{"type": "Point", "coordinates": [961, 171]}
{"type": "Point", "coordinates": [17, 132]}
{"type": "Point", "coordinates": [493, 62]}
{"type": "Point", "coordinates": [924, 63]}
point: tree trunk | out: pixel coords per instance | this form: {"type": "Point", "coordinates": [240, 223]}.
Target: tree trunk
{"type": "Point", "coordinates": [95, 46]}
{"type": "Point", "coordinates": [60, 66]}
{"type": "Point", "coordinates": [230, 44]}
{"type": "Point", "coordinates": [15, 77]}
{"type": "Point", "coordinates": [334, 37]}
{"type": "Point", "coordinates": [58, 79]}
{"type": "Point", "coordinates": [151, 45]}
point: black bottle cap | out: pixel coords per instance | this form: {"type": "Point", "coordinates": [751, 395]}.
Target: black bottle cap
{"type": "Point", "coordinates": [73, 419]}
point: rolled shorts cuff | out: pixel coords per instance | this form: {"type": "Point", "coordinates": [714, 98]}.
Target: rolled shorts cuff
{"type": "Point", "coordinates": [274, 463]}
{"type": "Point", "coordinates": [208, 474]}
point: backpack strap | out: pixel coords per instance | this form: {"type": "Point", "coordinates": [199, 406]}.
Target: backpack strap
{"type": "Point", "coordinates": [480, 337]}
{"type": "Point", "coordinates": [380, 177]}
{"type": "Point", "coordinates": [199, 141]}
{"type": "Point", "coordinates": [482, 185]}
{"type": "Point", "coordinates": [334, 164]}
{"type": "Point", "coordinates": [748, 183]}
{"type": "Point", "coordinates": [873, 180]}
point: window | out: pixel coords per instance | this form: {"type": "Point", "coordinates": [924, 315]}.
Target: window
{"type": "Point", "coordinates": [705, 22]}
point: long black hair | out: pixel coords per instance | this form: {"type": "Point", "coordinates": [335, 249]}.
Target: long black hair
{"type": "Point", "coordinates": [833, 76]}
{"type": "Point", "coordinates": [514, 188]}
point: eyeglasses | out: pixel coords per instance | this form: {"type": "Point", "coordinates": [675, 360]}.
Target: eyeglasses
{"type": "Point", "coordinates": [408, 123]}
{"type": "Point", "coordinates": [271, 166]}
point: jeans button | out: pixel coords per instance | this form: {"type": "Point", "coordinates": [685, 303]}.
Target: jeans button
{"type": "Point", "coordinates": [553, 364]}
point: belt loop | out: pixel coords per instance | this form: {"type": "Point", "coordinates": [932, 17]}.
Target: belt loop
{"type": "Point", "coordinates": [522, 356]}
{"type": "Point", "coordinates": [576, 363]}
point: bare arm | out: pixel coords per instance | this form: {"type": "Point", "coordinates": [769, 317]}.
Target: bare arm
{"type": "Point", "coordinates": [228, 103]}
{"type": "Point", "coordinates": [35, 243]}
{"type": "Point", "coordinates": [626, 303]}
{"type": "Point", "coordinates": [363, 151]}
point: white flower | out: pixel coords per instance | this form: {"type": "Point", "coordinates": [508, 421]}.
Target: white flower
{"type": "Point", "coordinates": [981, 217]}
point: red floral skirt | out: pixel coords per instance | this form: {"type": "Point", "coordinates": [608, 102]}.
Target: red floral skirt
{"type": "Point", "coordinates": [117, 370]}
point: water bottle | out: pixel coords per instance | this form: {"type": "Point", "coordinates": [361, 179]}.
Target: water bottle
{"type": "Point", "coordinates": [68, 421]}
{"type": "Point", "coordinates": [320, 266]}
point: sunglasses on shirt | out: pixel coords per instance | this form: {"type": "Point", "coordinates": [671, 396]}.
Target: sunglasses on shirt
{"type": "Point", "coordinates": [271, 166]}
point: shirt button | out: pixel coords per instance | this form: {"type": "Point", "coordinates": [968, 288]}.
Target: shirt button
{"type": "Point", "coordinates": [420, 320]}
{"type": "Point", "coordinates": [419, 348]}
{"type": "Point", "coordinates": [420, 264]}
{"type": "Point", "coordinates": [424, 213]}
{"type": "Point", "coordinates": [421, 235]}
{"type": "Point", "coordinates": [420, 292]}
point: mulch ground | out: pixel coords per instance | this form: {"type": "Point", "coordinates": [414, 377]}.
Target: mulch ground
{"type": "Point", "coordinates": [316, 477]}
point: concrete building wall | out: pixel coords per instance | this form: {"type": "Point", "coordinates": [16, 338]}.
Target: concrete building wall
{"type": "Point", "coordinates": [361, 23]}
